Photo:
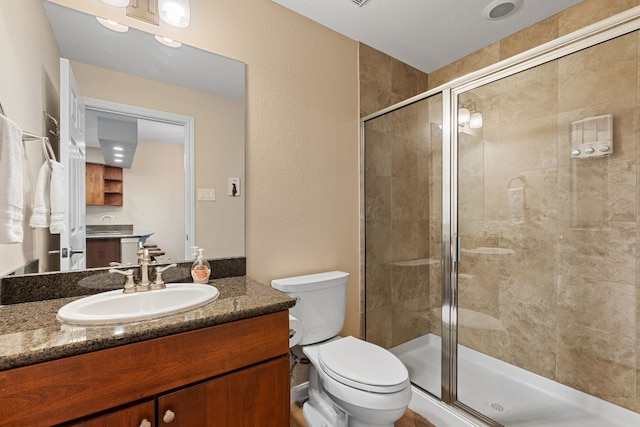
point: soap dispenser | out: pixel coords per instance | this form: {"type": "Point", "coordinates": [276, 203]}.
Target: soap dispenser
{"type": "Point", "coordinates": [201, 269]}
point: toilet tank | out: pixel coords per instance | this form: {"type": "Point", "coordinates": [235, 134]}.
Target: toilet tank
{"type": "Point", "coordinates": [320, 303]}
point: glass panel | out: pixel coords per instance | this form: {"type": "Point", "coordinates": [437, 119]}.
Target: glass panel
{"type": "Point", "coordinates": [403, 235]}
{"type": "Point", "coordinates": [547, 275]}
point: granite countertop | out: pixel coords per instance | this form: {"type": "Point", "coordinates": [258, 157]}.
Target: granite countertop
{"type": "Point", "coordinates": [30, 332]}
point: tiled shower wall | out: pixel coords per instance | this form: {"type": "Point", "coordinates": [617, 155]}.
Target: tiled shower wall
{"type": "Point", "coordinates": [557, 292]}
{"type": "Point", "coordinates": [402, 200]}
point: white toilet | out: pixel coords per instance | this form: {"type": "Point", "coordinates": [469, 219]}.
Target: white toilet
{"type": "Point", "coordinates": [352, 383]}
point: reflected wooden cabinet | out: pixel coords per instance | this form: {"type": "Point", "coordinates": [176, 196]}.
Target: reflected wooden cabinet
{"type": "Point", "coordinates": [104, 185]}
{"type": "Point", "coordinates": [100, 252]}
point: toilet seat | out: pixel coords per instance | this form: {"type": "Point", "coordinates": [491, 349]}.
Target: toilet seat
{"type": "Point", "coordinates": [363, 365]}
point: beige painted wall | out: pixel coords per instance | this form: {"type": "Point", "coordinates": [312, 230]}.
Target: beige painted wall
{"type": "Point", "coordinates": [302, 191]}
{"type": "Point", "coordinates": [29, 78]}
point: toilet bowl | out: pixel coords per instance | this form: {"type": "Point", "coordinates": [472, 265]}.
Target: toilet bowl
{"type": "Point", "coordinates": [352, 383]}
{"type": "Point", "coordinates": [366, 384]}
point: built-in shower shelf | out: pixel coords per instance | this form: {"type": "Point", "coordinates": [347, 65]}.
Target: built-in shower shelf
{"type": "Point", "coordinates": [486, 250]}
{"type": "Point", "coordinates": [417, 262]}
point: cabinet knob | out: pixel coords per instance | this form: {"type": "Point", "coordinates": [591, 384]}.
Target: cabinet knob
{"type": "Point", "coordinates": [145, 423]}
{"type": "Point", "coordinates": [169, 416]}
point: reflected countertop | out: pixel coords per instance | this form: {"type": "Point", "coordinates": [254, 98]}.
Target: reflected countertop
{"type": "Point", "coordinates": [30, 332]}
{"type": "Point", "coordinates": [144, 234]}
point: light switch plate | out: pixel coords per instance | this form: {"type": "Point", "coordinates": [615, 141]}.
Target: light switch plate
{"type": "Point", "coordinates": [206, 194]}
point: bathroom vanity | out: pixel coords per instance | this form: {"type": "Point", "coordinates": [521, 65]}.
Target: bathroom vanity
{"type": "Point", "coordinates": [223, 364]}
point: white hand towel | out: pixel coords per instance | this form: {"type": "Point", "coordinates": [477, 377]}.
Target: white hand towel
{"type": "Point", "coordinates": [516, 204]}
{"type": "Point", "coordinates": [56, 194]}
{"type": "Point", "coordinates": [41, 203]}
{"type": "Point", "coordinates": [11, 185]}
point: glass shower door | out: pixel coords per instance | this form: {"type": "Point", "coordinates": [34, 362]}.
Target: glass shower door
{"type": "Point", "coordinates": [403, 204]}
{"type": "Point", "coordinates": [546, 278]}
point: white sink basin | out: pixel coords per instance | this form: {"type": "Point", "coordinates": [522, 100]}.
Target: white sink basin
{"type": "Point", "coordinates": [118, 307]}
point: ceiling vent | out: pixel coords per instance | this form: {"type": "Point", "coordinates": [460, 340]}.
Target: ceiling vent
{"type": "Point", "coordinates": [359, 2]}
{"type": "Point", "coordinates": [499, 9]}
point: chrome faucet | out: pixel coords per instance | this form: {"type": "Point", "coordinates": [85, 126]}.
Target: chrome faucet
{"type": "Point", "coordinates": [144, 262]}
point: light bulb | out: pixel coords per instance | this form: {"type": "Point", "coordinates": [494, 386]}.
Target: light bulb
{"type": "Point", "coordinates": [175, 12]}
{"type": "Point", "coordinates": [464, 115]}
{"type": "Point", "coordinates": [475, 121]}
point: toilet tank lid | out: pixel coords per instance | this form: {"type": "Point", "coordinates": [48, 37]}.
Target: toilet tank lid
{"type": "Point", "coordinates": [311, 281]}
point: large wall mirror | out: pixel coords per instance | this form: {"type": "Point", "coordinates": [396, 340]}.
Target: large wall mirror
{"type": "Point", "coordinates": [135, 85]}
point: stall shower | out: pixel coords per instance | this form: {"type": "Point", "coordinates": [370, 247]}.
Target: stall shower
{"type": "Point", "coordinates": [501, 265]}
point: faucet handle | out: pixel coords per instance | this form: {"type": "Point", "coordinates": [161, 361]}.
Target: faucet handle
{"type": "Point", "coordinates": [159, 282]}
{"type": "Point", "coordinates": [129, 284]}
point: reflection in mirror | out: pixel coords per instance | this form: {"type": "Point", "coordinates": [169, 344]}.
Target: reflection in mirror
{"type": "Point", "coordinates": [116, 68]}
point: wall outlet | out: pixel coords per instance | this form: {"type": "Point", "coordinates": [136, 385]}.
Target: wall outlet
{"type": "Point", "coordinates": [234, 187]}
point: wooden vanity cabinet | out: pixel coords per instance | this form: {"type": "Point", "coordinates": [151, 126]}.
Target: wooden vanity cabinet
{"type": "Point", "coordinates": [234, 374]}
{"type": "Point", "coordinates": [140, 415]}
{"type": "Point", "coordinates": [241, 399]}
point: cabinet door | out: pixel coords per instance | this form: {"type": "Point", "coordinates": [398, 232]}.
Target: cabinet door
{"type": "Point", "coordinates": [254, 396]}
{"type": "Point", "coordinates": [141, 415]}
{"type": "Point", "coordinates": [95, 184]}
{"type": "Point", "coordinates": [100, 252]}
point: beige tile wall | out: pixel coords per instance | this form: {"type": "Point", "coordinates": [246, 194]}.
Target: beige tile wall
{"type": "Point", "coordinates": [385, 81]}
{"type": "Point", "coordinates": [396, 201]}
{"type": "Point", "coordinates": [563, 295]}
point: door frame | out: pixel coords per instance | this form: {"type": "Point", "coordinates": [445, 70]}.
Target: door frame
{"type": "Point", "coordinates": [188, 123]}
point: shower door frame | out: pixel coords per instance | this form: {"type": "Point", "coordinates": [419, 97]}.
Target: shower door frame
{"type": "Point", "coordinates": [607, 29]}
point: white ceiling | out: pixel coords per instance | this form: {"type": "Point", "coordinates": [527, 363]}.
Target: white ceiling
{"type": "Point", "coordinates": [426, 34]}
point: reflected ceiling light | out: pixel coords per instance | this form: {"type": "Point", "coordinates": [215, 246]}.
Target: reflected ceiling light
{"type": "Point", "coordinates": [117, 148]}
{"type": "Point", "coordinates": [118, 155]}
{"type": "Point", "coordinates": [112, 25]}
{"type": "Point", "coordinates": [167, 41]}
{"type": "Point", "coordinates": [119, 3]}
{"type": "Point", "coordinates": [175, 12]}
{"type": "Point", "coordinates": [117, 160]}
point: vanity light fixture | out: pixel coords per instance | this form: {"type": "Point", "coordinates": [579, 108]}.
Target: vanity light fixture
{"type": "Point", "coordinates": [112, 25]}
{"type": "Point", "coordinates": [467, 114]}
{"type": "Point", "coordinates": [175, 12]}
{"type": "Point", "coordinates": [167, 41]}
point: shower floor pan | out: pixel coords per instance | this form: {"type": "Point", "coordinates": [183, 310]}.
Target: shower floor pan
{"type": "Point", "coordinates": [510, 395]}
